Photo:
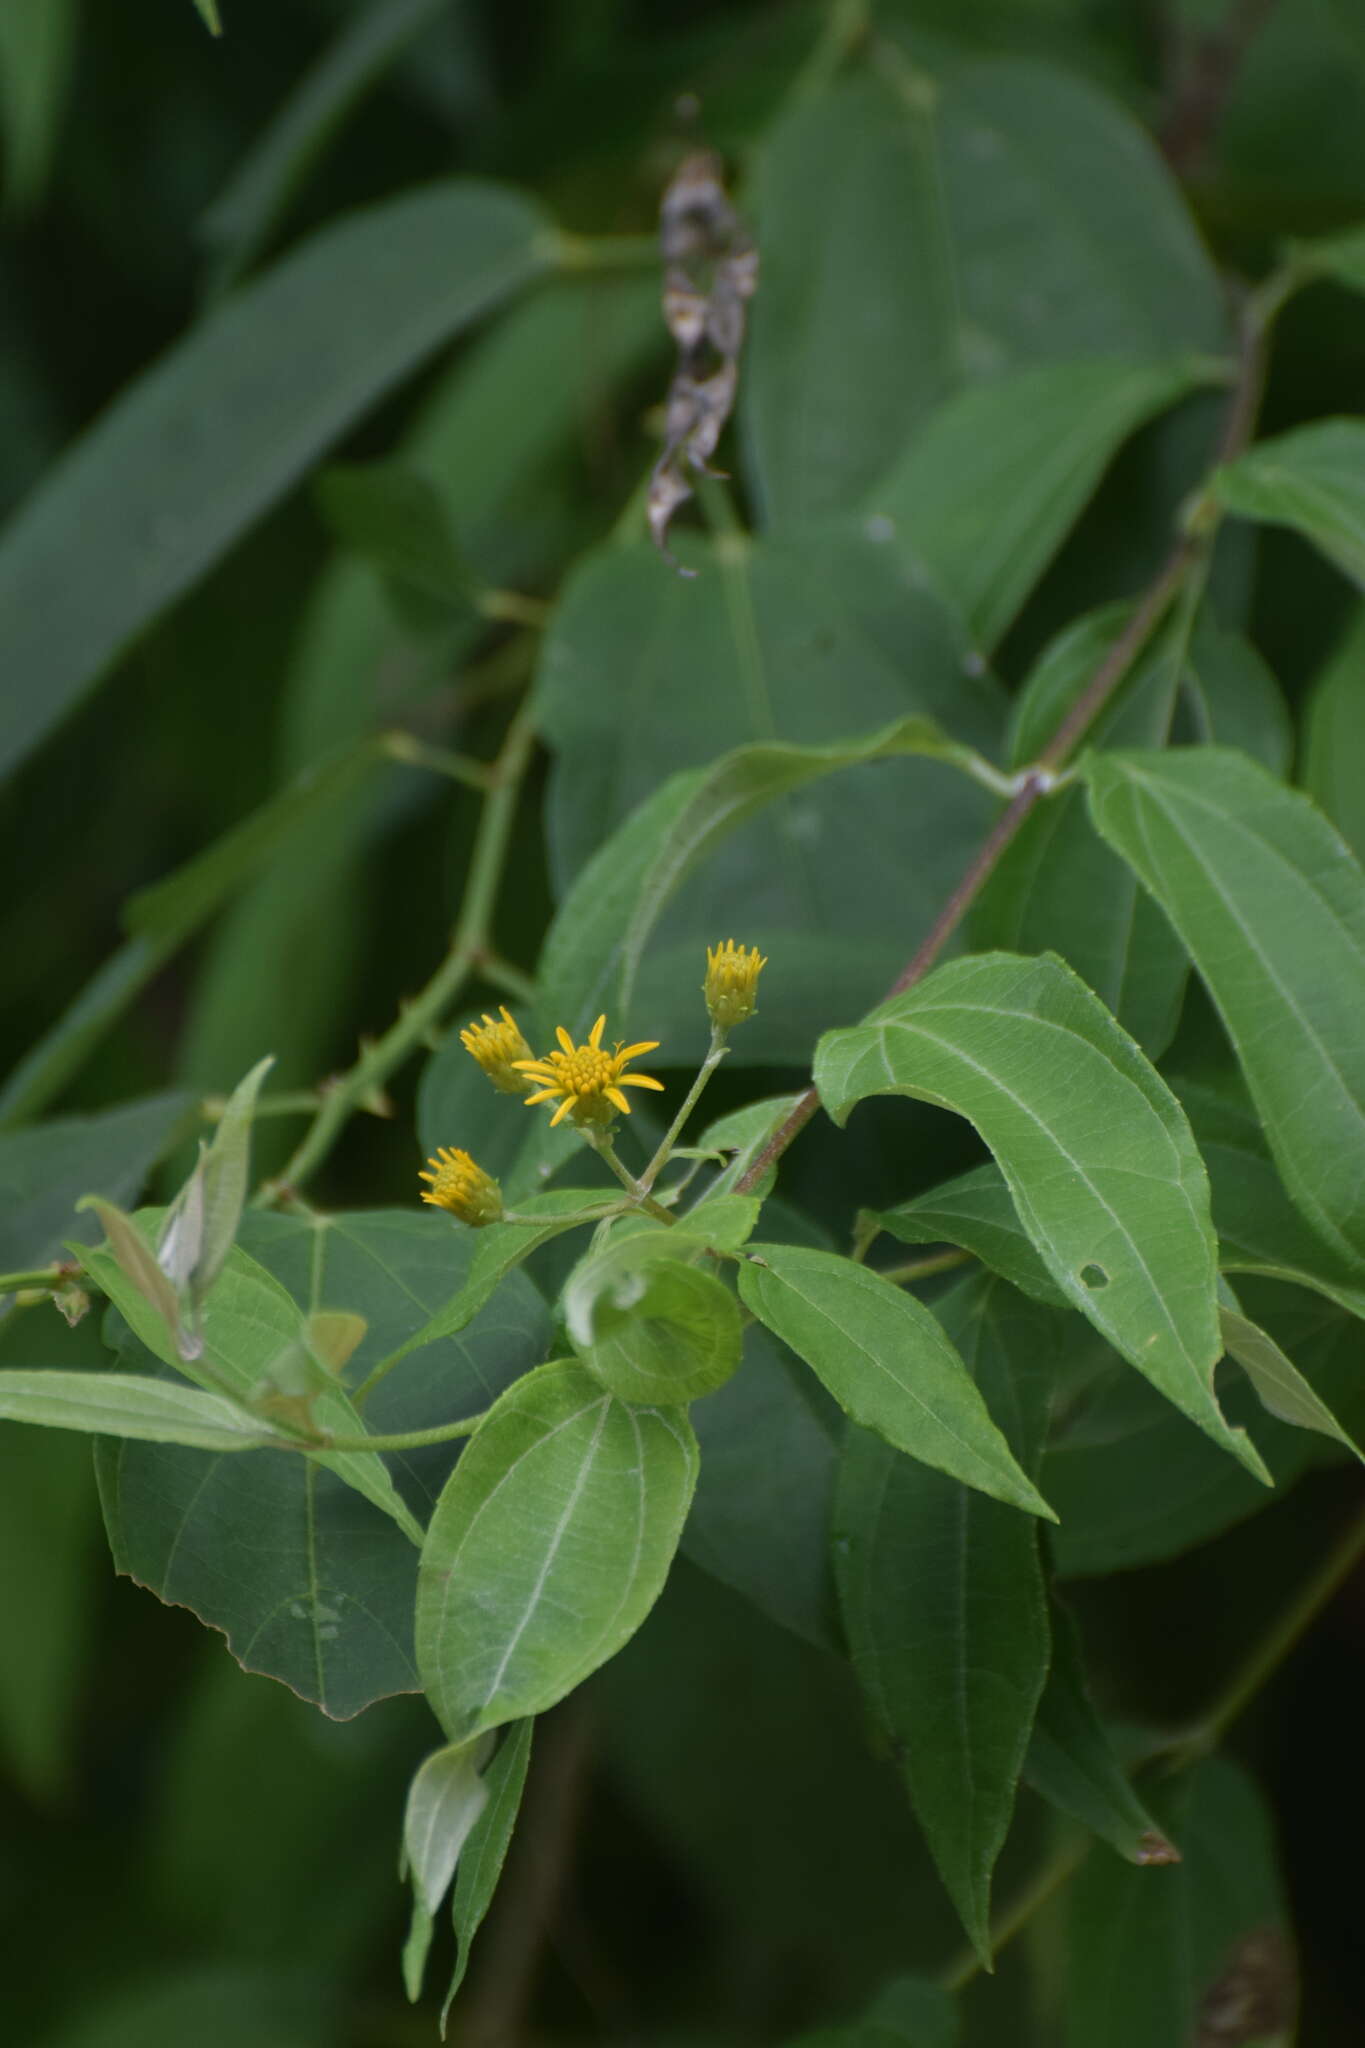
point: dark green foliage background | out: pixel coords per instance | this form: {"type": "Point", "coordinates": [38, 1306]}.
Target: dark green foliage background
{"type": "Point", "coordinates": [189, 1852]}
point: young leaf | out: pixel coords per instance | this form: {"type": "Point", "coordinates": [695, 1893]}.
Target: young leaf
{"type": "Point", "coordinates": [548, 1546]}
{"type": "Point", "coordinates": [1280, 1386]}
{"type": "Point", "coordinates": [649, 1325]}
{"type": "Point", "coordinates": [887, 1362]}
{"type": "Point", "coordinates": [1163, 1955]}
{"type": "Point", "coordinates": [942, 1596]}
{"type": "Point", "coordinates": [485, 1850]}
{"type": "Point", "coordinates": [1312, 479]}
{"type": "Point", "coordinates": [1071, 1763]}
{"type": "Point", "coordinates": [1271, 906]}
{"type": "Point", "coordinates": [1094, 1148]}
{"type": "Point", "coordinates": [122, 1404]}
{"type": "Point", "coordinates": [445, 1799]}
{"type": "Point", "coordinates": [189, 457]}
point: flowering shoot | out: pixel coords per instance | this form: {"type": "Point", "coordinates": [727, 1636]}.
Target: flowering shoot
{"type": "Point", "coordinates": [461, 1186]}
{"type": "Point", "coordinates": [586, 1080]}
{"type": "Point", "coordinates": [498, 1046]}
{"type": "Point", "coordinates": [730, 984]}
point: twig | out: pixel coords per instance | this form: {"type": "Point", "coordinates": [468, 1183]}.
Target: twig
{"type": "Point", "coordinates": [1198, 104]}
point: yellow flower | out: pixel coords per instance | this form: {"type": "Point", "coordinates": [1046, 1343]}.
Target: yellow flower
{"type": "Point", "coordinates": [462, 1187]}
{"type": "Point", "coordinates": [731, 980]}
{"type": "Point", "coordinates": [497, 1047]}
{"type": "Point", "coordinates": [589, 1079]}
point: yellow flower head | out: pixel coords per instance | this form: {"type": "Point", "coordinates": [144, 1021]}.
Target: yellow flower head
{"type": "Point", "coordinates": [731, 980]}
{"type": "Point", "coordinates": [462, 1187]}
{"type": "Point", "coordinates": [497, 1046]}
{"type": "Point", "coordinates": [589, 1079]}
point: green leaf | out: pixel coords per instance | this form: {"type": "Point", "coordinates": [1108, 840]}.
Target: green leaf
{"type": "Point", "coordinates": [1058, 887]}
{"type": "Point", "coordinates": [743, 1133]}
{"type": "Point", "coordinates": [647, 1324]}
{"type": "Point", "coordinates": [942, 1596]}
{"type": "Point", "coordinates": [1271, 907]}
{"type": "Point", "coordinates": [485, 1851]}
{"type": "Point", "coordinates": [976, 1212]}
{"type": "Point", "coordinates": [249, 1323]}
{"type": "Point", "coordinates": [886, 1361]}
{"type": "Point", "coordinates": [1094, 1148]}
{"type": "Point", "coordinates": [548, 1546]}
{"type": "Point", "coordinates": [912, 2012]}
{"type": "Point", "coordinates": [1313, 480]}
{"type": "Point", "coordinates": [759, 1520]}
{"type": "Point", "coordinates": [207, 10]}
{"type": "Point", "coordinates": [1334, 736]}
{"type": "Point", "coordinates": [46, 1169]}
{"type": "Point", "coordinates": [948, 191]}
{"type": "Point", "coordinates": [498, 1250]}
{"type": "Point", "coordinates": [396, 517]}
{"type": "Point", "coordinates": [1259, 1229]}
{"type": "Point", "coordinates": [445, 1799]}
{"type": "Point", "coordinates": [1153, 1955]}
{"type": "Point", "coordinates": [322, 1589]}
{"type": "Point", "coordinates": [1071, 1763]}
{"type": "Point", "coordinates": [201, 1224]}
{"type": "Point", "coordinates": [120, 1404]}
{"type": "Point", "coordinates": [989, 486]}
{"type": "Point", "coordinates": [1280, 1386]}
{"type": "Point", "coordinates": [594, 948]}
{"type": "Point", "coordinates": [1340, 257]}
{"type": "Point", "coordinates": [190, 456]}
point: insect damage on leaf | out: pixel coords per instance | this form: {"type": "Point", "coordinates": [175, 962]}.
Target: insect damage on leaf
{"type": "Point", "coordinates": [1254, 1996]}
{"type": "Point", "coordinates": [710, 273]}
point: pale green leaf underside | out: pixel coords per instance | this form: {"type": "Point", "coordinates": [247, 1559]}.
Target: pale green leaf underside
{"type": "Point", "coordinates": [1280, 1386]}
{"type": "Point", "coordinates": [125, 1404]}
{"type": "Point", "coordinates": [548, 1547]}
{"type": "Point", "coordinates": [485, 1851]}
{"type": "Point", "coordinates": [1096, 1151]}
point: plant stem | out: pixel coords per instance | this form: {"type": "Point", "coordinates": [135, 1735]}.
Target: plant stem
{"type": "Point", "coordinates": [715, 1055]}
{"type": "Point", "coordinates": [1268, 1655]}
{"type": "Point", "coordinates": [1039, 779]}
{"type": "Point", "coordinates": [502, 974]}
{"type": "Point", "coordinates": [639, 1195]}
{"type": "Point", "coordinates": [406, 1440]}
{"type": "Point", "coordinates": [925, 1268]}
{"type": "Point", "coordinates": [415, 753]}
{"type": "Point", "coordinates": [301, 1102]}
{"type": "Point", "coordinates": [468, 950]}
{"type": "Point", "coordinates": [37, 1276]}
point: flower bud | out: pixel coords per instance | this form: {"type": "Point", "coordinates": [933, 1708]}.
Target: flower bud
{"type": "Point", "coordinates": [461, 1186]}
{"type": "Point", "coordinates": [497, 1046]}
{"type": "Point", "coordinates": [731, 982]}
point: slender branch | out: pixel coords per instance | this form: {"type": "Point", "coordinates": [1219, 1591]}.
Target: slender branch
{"type": "Point", "coordinates": [925, 1268]}
{"type": "Point", "coordinates": [639, 1195]}
{"type": "Point", "coordinates": [299, 1102]}
{"type": "Point", "coordinates": [469, 947]}
{"type": "Point", "coordinates": [406, 1440]}
{"type": "Point", "coordinates": [415, 753]}
{"type": "Point", "coordinates": [1198, 105]}
{"type": "Point", "coordinates": [715, 1054]}
{"type": "Point", "coordinates": [36, 1276]}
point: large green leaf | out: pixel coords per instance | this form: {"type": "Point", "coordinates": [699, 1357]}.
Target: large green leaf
{"type": "Point", "coordinates": [548, 1546]}
{"type": "Point", "coordinates": [1058, 887]}
{"type": "Point", "coordinates": [1072, 1763]}
{"type": "Point", "coordinates": [887, 1362]}
{"type": "Point", "coordinates": [649, 1324]}
{"type": "Point", "coordinates": [802, 641]}
{"type": "Point", "coordinates": [322, 1586]}
{"type": "Point", "coordinates": [1095, 1150]}
{"type": "Point", "coordinates": [1009, 215]}
{"type": "Point", "coordinates": [1312, 479]}
{"type": "Point", "coordinates": [1271, 907]}
{"type": "Point", "coordinates": [187, 458]}
{"type": "Point", "coordinates": [976, 1211]}
{"type": "Point", "coordinates": [942, 1596]}
{"type": "Point", "coordinates": [1160, 1955]}
{"type": "Point", "coordinates": [990, 485]}
{"type": "Point", "coordinates": [37, 42]}
{"type": "Point", "coordinates": [45, 1171]}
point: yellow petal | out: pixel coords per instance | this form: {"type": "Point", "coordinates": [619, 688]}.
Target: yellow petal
{"type": "Point", "coordinates": [641, 1081]}
{"type": "Point", "coordinates": [545, 1095]}
{"type": "Point", "coordinates": [565, 1106]}
{"type": "Point", "coordinates": [595, 1035]}
{"type": "Point", "coordinates": [615, 1095]}
{"type": "Point", "coordinates": [562, 1035]}
{"type": "Point", "coordinates": [631, 1052]}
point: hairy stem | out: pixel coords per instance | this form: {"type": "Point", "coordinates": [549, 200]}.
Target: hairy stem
{"type": "Point", "coordinates": [715, 1054]}
{"type": "Point", "coordinates": [406, 1440]}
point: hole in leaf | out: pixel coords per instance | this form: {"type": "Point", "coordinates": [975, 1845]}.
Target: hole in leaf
{"type": "Point", "coordinates": [1094, 1276]}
